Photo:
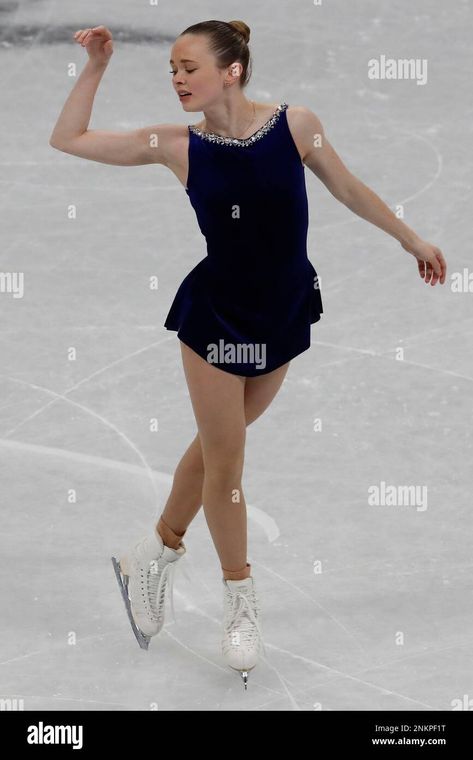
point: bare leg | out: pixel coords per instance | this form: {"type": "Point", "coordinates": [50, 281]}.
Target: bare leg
{"type": "Point", "coordinates": [218, 402]}
{"type": "Point", "coordinates": [186, 498]}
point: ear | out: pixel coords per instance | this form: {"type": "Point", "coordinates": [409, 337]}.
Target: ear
{"type": "Point", "coordinates": [235, 71]}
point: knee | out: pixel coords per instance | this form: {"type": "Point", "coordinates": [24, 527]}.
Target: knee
{"type": "Point", "coordinates": [222, 473]}
{"type": "Point", "coordinates": [224, 460]}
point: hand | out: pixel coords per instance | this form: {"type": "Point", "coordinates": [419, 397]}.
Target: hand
{"type": "Point", "coordinates": [98, 43]}
{"type": "Point", "coordinates": [431, 263]}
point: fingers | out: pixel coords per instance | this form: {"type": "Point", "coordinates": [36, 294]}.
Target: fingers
{"type": "Point", "coordinates": [435, 277]}
{"type": "Point", "coordinates": [425, 270]}
{"type": "Point", "coordinates": [443, 265]}
{"type": "Point", "coordinates": [435, 270]}
{"type": "Point", "coordinates": [83, 36]}
{"type": "Point", "coordinates": [439, 268]}
{"type": "Point", "coordinates": [433, 273]}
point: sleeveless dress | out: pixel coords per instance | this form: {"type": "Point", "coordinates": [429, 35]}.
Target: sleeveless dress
{"type": "Point", "coordinates": [248, 305]}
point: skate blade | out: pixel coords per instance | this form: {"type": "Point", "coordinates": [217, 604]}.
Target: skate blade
{"type": "Point", "coordinates": [244, 675]}
{"type": "Point", "coordinates": [142, 639]}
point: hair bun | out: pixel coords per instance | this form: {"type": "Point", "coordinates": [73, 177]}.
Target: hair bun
{"type": "Point", "coordinates": [242, 29]}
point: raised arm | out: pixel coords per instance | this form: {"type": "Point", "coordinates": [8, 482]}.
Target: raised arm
{"type": "Point", "coordinates": [71, 134]}
{"type": "Point", "coordinates": [322, 159]}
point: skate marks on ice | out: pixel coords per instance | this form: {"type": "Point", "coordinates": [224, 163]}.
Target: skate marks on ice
{"type": "Point", "coordinates": [161, 481]}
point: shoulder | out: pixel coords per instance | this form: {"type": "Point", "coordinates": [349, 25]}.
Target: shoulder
{"type": "Point", "coordinates": [304, 125]}
{"type": "Point", "coordinates": [302, 117]}
{"type": "Point", "coordinates": [170, 138]}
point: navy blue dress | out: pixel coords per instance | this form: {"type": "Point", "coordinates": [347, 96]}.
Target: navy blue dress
{"type": "Point", "coordinates": [248, 305]}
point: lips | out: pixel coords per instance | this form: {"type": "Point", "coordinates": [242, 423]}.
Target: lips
{"type": "Point", "coordinates": [184, 94]}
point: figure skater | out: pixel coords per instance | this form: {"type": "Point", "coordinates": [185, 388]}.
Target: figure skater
{"type": "Point", "coordinates": [245, 310]}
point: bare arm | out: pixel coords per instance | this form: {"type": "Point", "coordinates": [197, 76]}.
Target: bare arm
{"type": "Point", "coordinates": [71, 133]}
{"type": "Point", "coordinates": [323, 160]}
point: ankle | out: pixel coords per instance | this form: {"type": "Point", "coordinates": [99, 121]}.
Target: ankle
{"type": "Point", "coordinates": [169, 537]}
{"type": "Point", "coordinates": [237, 575]}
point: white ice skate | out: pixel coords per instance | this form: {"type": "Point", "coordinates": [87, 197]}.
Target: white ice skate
{"type": "Point", "coordinates": [242, 638]}
{"type": "Point", "coordinates": [142, 574]}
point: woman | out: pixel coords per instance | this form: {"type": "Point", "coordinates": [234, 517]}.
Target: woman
{"type": "Point", "coordinates": [245, 310]}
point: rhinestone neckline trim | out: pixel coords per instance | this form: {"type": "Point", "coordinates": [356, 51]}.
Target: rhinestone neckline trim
{"type": "Point", "coordinates": [241, 143]}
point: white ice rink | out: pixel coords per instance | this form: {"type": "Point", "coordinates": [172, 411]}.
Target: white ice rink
{"type": "Point", "coordinates": [364, 607]}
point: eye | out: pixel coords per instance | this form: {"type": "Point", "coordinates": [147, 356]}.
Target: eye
{"type": "Point", "coordinates": [188, 71]}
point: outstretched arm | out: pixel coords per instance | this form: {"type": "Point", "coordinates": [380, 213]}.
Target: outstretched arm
{"type": "Point", "coordinates": [322, 159]}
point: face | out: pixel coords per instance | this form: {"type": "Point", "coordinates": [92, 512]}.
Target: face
{"type": "Point", "coordinates": [194, 70]}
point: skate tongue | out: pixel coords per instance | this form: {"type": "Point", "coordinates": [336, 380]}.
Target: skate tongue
{"type": "Point", "coordinates": [150, 547]}
{"type": "Point", "coordinates": [236, 585]}
{"type": "Point", "coordinates": [171, 555]}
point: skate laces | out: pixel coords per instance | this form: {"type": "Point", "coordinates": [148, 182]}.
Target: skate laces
{"type": "Point", "coordinates": [157, 579]}
{"type": "Point", "coordinates": [243, 619]}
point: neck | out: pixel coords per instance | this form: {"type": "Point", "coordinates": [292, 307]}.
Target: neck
{"type": "Point", "coordinates": [230, 117]}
